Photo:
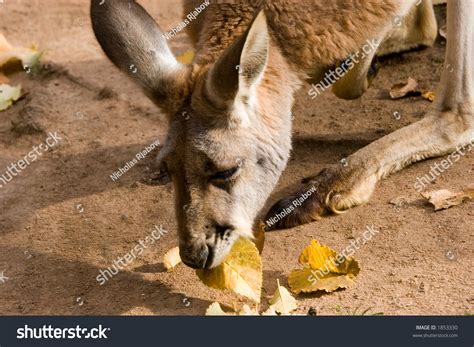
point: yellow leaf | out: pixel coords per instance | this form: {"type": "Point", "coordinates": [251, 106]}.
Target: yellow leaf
{"type": "Point", "coordinates": [318, 256]}
{"type": "Point", "coordinates": [186, 58]}
{"type": "Point", "coordinates": [322, 269]}
{"type": "Point", "coordinates": [171, 259]}
{"type": "Point", "coordinates": [304, 280]}
{"type": "Point", "coordinates": [430, 96]}
{"type": "Point", "coordinates": [283, 302]}
{"type": "Point", "coordinates": [247, 311]}
{"type": "Point", "coordinates": [29, 57]}
{"type": "Point", "coordinates": [215, 309]}
{"type": "Point", "coordinates": [8, 95]}
{"type": "Point", "coordinates": [270, 312]}
{"type": "Point", "coordinates": [240, 272]}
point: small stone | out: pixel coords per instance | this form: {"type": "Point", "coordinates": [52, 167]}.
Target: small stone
{"type": "Point", "coordinates": [400, 201]}
{"type": "Point", "coordinates": [106, 93]}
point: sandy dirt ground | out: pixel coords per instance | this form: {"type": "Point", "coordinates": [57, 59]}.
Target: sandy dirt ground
{"type": "Point", "coordinates": [63, 219]}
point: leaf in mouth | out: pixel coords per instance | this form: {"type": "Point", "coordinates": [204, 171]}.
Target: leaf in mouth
{"type": "Point", "coordinates": [241, 271]}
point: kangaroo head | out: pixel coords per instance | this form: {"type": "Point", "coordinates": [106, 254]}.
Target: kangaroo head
{"type": "Point", "coordinates": [229, 131]}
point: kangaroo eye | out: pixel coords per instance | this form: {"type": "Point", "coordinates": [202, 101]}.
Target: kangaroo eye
{"type": "Point", "coordinates": [225, 175]}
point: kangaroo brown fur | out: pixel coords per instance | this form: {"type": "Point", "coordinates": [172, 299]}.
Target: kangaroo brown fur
{"type": "Point", "coordinates": [230, 110]}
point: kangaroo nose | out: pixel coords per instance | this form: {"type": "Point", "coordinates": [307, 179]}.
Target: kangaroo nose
{"type": "Point", "coordinates": [196, 258]}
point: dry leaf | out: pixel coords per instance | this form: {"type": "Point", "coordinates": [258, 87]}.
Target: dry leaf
{"type": "Point", "coordinates": [240, 272]}
{"type": "Point", "coordinates": [247, 311]}
{"type": "Point", "coordinates": [283, 302]}
{"type": "Point", "coordinates": [317, 255]}
{"type": "Point", "coordinates": [443, 32]}
{"type": "Point", "coordinates": [171, 259]}
{"type": "Point", "coordinates": [270, 312]}
{"type": "Point", "coordinates": [323, 270]}
{"type": "Point", "coordinates": [215, 309]}
{"type": "Point", "coordinates": [430, 96]}
{"type": "Point", "coordinates": [259, 236]}
{"type": "Point", "coordinates": [186, 58]}
{"type": "Point", "coordinates": [443, 199]}
{"type": "Point", "coordinates": [8, 95]}
{"type": "Point", "coordinates": [29, 57]}
{"type": "Point", "coordinates": [299, 281]}
{"type": "Point", "coordinates": [403, 89]}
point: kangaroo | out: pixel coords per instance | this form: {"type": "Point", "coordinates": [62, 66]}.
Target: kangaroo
{"type": "Point", "coordinates": [229, 111]}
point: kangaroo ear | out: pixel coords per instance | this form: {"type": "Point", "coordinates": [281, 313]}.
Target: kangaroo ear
{"type": "Point", "coordinates": [134, 43]}
{"type": "Point", "coordinates": [241, 66]}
